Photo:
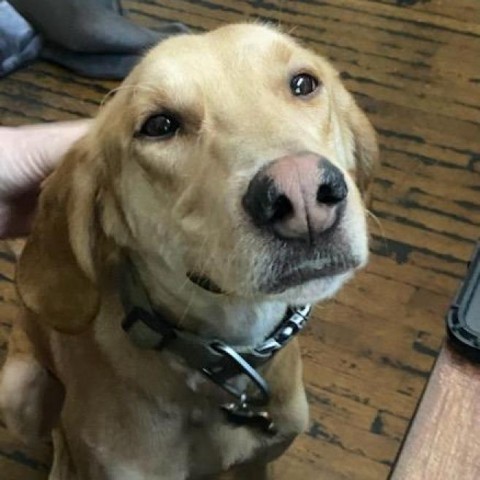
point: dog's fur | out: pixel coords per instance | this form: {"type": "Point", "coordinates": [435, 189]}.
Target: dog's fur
{"type": "Point", "coordinates": [174, 206]}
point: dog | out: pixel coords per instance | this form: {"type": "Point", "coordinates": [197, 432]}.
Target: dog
{"type": "Point", "coordinates": [174, 254]}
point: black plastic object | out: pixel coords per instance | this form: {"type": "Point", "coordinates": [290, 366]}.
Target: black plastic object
{"type": "Point", "coordinates": [463, 319]}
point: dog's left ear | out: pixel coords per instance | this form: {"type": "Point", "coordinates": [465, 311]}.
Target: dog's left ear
{"type": "Point", "coordinates": [358, 137]}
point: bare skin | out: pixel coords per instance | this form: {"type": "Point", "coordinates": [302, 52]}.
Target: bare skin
{"type": "Point", "coordinates": [27, 155]}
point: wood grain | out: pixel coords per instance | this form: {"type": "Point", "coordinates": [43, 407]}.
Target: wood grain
{"type": "Point", "coordinates": [444, 440]}
{"type": "Point", "coordinates": [413, 66]}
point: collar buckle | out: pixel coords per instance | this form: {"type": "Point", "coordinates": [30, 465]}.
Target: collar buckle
{"type": "Point", "coordinates": [294, 321]}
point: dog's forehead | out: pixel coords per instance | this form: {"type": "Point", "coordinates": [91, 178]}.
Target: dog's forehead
{"type": "Point", "coordinates": [217, 70]}
{"type": "Point", "coordinates": [249, 40]}
{"type": "Point", "coordinates": [228, 50]}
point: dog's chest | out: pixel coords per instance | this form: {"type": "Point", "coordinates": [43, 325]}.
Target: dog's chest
{"type": "Point", "coordinates": [175, 442]}
{"type": "Point", "coordinates": [136, 416]}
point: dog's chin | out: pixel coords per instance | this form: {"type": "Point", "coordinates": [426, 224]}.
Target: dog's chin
{"type": "Point", "coordinates": [311, 281]}
{"type": "Point", "coordinates": [314, 290]}
{"type": "Point", "coordinates": [302, 275]}
{"type": "Point", "coordinates": [297, 287]}
{"type": "Point", "coordinates": [294, 279]}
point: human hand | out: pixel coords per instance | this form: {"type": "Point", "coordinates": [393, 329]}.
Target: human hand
{"type": "Point", "coordinates": [27, 155]}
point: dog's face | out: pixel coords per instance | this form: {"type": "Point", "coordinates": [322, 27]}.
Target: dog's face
{"type": "Point", "coordinates": [233, 157]}
{"type": "Point", "coordinates": [237, 156]}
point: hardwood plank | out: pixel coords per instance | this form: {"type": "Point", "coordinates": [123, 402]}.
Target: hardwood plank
{"type": "Point", "coordinates": [465, 10]}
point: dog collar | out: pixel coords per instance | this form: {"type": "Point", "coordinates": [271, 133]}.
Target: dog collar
{"type": "Point", "coordinates": [149, 329]}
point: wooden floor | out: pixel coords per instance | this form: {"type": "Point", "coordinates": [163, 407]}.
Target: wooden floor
{"type": "Point", "coordinates": [414, 66]}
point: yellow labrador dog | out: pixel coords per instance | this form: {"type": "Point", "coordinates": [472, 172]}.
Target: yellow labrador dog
{"type": "Point", "coordinates": [174, 255]}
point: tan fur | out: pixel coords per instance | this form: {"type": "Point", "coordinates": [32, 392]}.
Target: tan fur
{"type": "Point", "coordinates": [174, 206]}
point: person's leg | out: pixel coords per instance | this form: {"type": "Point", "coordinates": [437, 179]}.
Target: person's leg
{"type": "Point", "coordinates": [89, 36]}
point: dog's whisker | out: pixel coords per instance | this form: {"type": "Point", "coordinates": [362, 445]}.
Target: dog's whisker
{"type": "Point", "coordinates": [377, 222]}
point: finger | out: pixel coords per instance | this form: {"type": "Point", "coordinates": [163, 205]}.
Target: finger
{"type": "Point", "coordinates": [52, 141]}
{"type": "Point", "coordinates": [28, 154]}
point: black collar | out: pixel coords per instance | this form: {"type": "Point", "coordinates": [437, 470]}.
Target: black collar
{"type": "Point", "coordinates": [220, 362]}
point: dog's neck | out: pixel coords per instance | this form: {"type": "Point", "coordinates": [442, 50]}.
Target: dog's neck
{"type": "Point", "coordinates": [232, 319]}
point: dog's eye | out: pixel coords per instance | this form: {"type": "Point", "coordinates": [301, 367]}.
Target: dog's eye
{"type": "Point", "coordinates": [303, 84]}
{"type": "Point", "coordinates": [161, 126]}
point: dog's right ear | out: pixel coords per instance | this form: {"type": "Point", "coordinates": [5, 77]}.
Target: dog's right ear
{"type": "Point", "coordinates": [56, 273]}
{"type": "Point", "coordinates": [357, 136]}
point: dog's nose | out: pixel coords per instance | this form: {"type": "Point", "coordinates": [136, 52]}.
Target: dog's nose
{"type": "Point", "coordinates": [297, 196]}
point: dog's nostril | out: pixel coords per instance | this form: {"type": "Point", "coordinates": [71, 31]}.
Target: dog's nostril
{"type": "Point", "coordinates": [333, 188]}
{"type": "Point", "coordinates": [327, 195]}
{"type": "Point", "coordinates": [282, 207]}
{"type": "Point", "coordinates": [264, 203]}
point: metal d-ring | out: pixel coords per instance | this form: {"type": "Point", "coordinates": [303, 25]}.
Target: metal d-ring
{"type": "Point", "coordinates": [242, 367]}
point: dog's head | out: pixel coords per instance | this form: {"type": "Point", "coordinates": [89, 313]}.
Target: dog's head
{"type": "Point", "coordinates": [237, 156]}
